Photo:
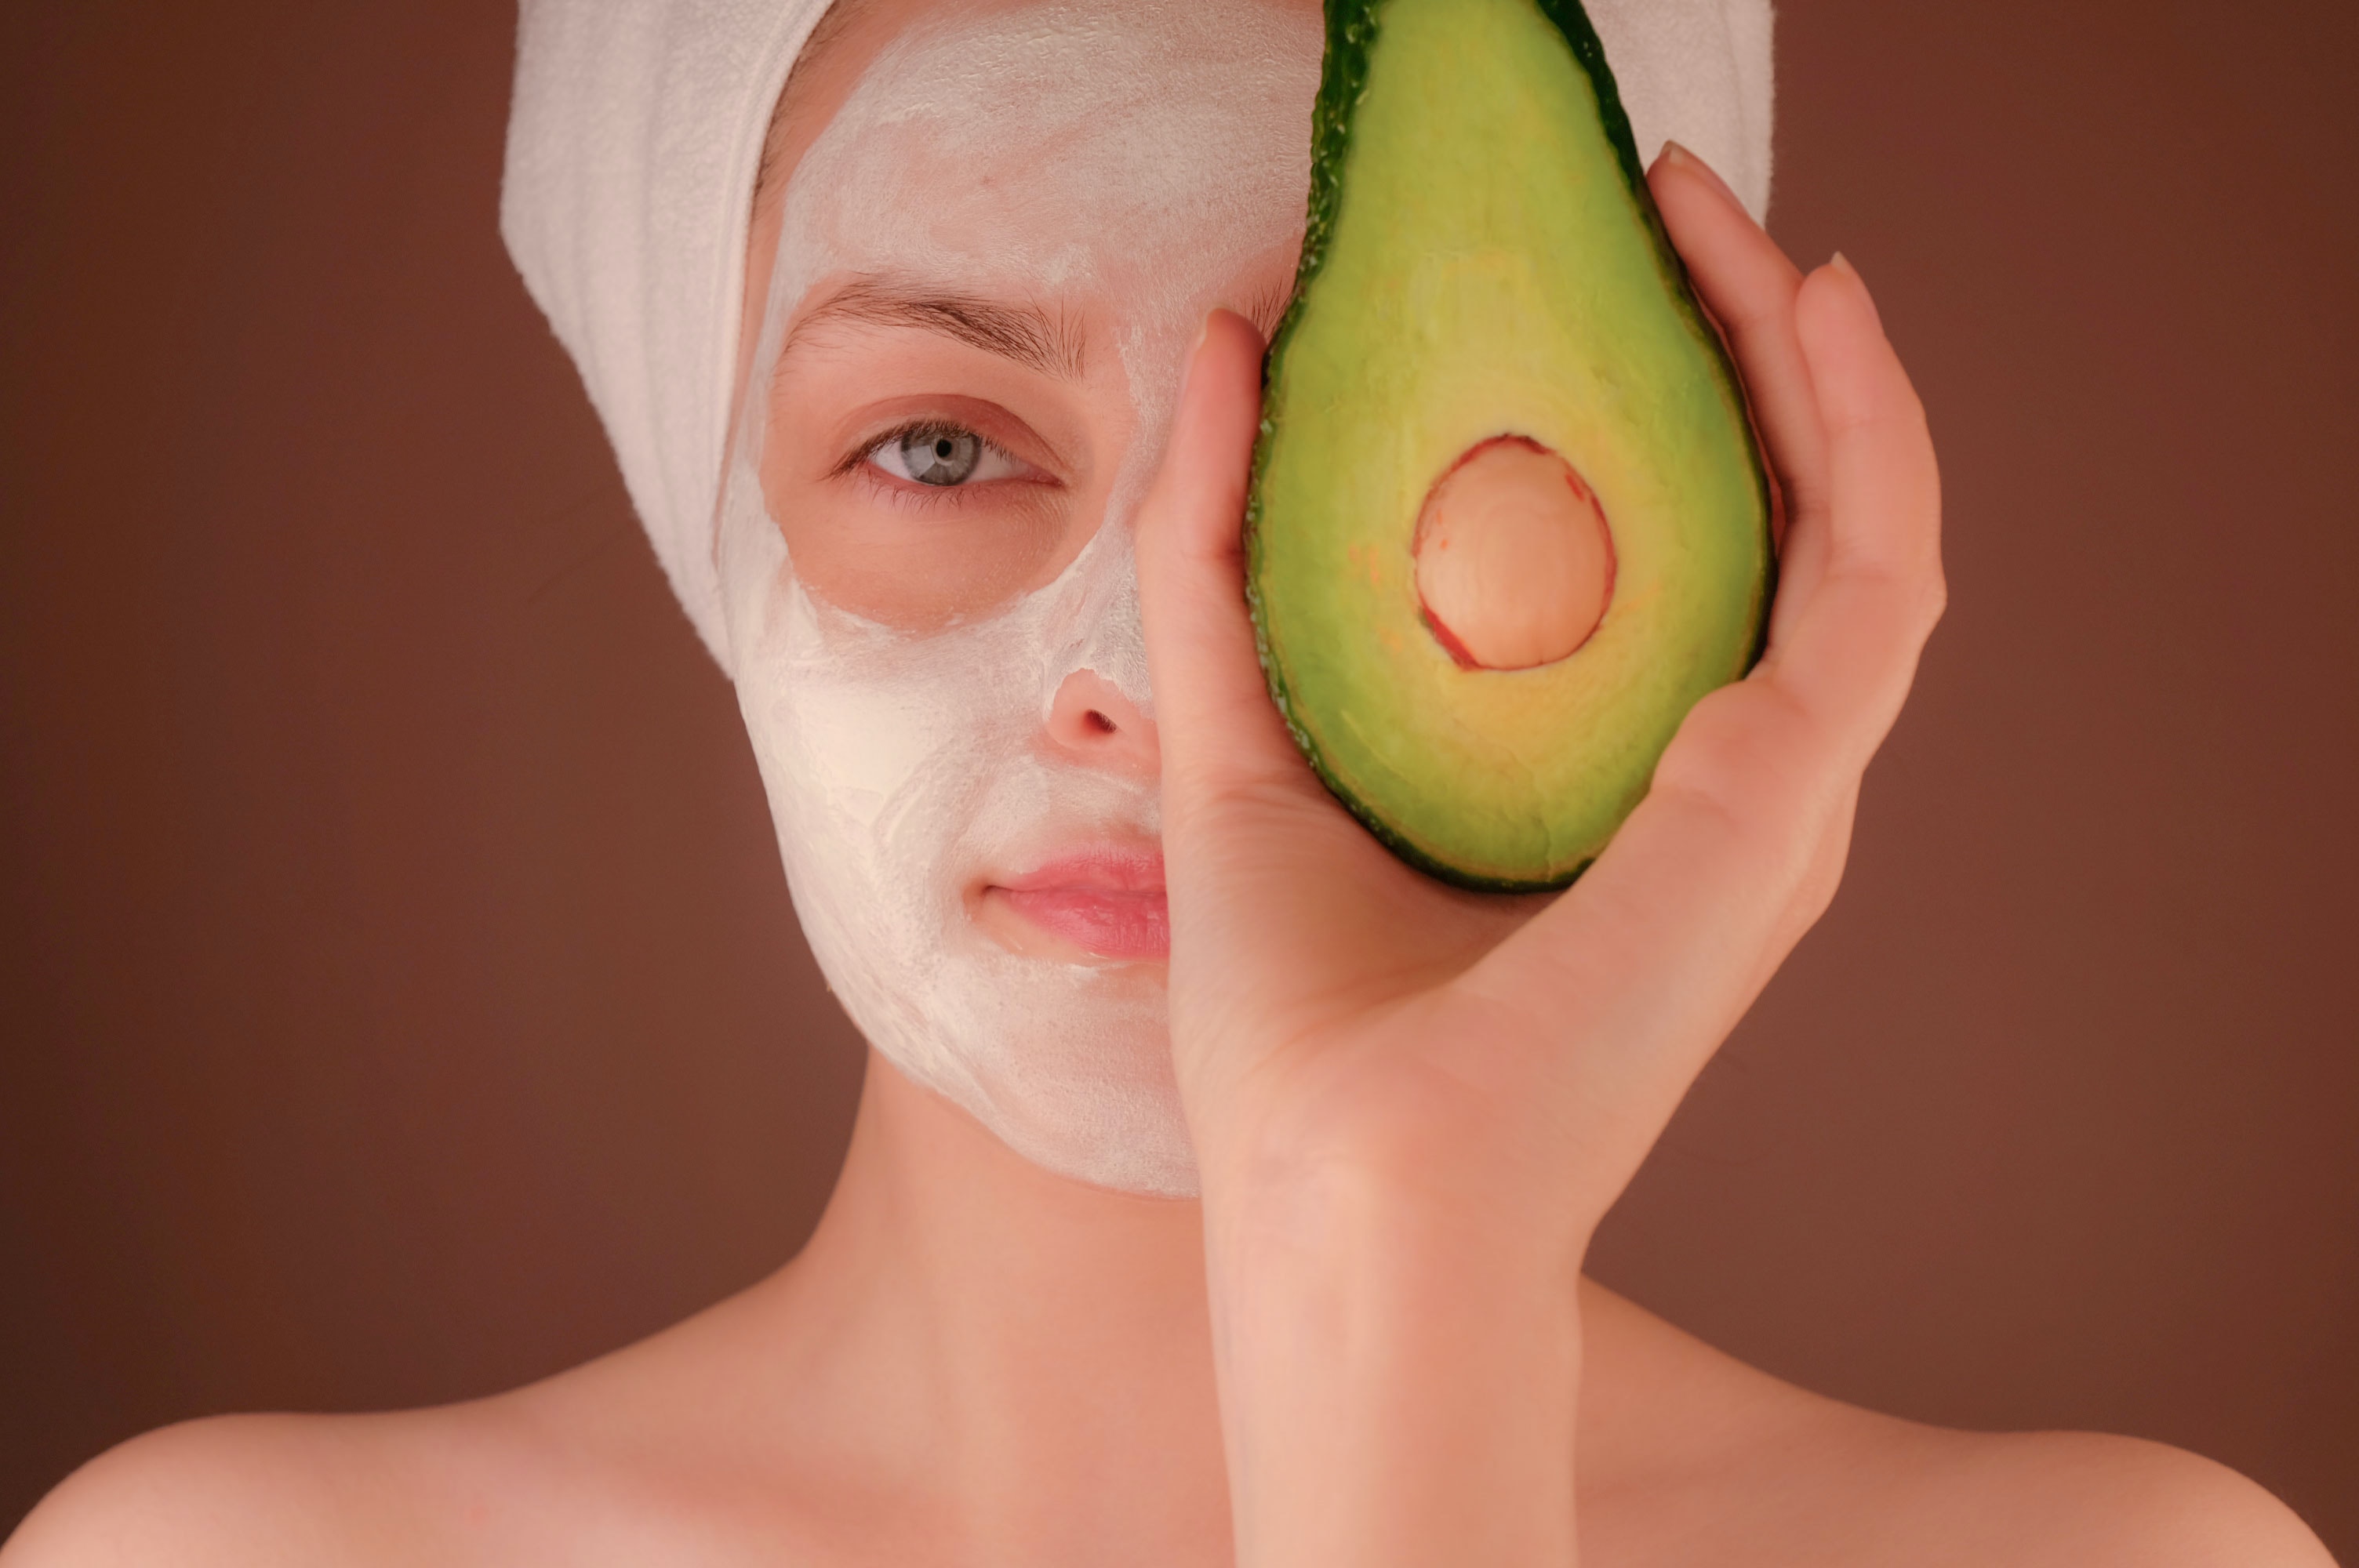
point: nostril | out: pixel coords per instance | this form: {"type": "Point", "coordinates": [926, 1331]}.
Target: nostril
{"type": "Point", "coordinates": [1098, 722]}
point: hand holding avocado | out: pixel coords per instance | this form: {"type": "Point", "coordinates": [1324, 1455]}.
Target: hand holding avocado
{"type": "Point", "coordinates": [1412, 1103]}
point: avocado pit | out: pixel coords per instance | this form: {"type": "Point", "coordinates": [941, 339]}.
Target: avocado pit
{"type": "Point", "coordinates": [1514, 563]}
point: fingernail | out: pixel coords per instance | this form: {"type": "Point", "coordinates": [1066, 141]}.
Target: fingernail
{"type": "Point", "coordinates": [1685, 159]}
{"type": "Point", "coordinates": [1842, 263]}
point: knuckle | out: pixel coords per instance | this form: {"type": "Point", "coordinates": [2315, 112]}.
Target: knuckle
{"type": "Point", "coordinates": [1760, 780]}
{"type": "Point", "coordinates": [1826, 874]}
{"type": "Point", "coordinates": [1859, 568]}
{"type": "Point", "coordinates": [1887, 408]}
{"type": "Point", "coordinates": [1742, 756]}
{"type": "Point", "coordinates": [1933, 599]}
{"type": "Point", "coordinates": [1904, 573]}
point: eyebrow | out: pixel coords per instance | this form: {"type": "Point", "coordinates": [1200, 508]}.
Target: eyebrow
{"type": "Point", "coordinates": [1030, 336]}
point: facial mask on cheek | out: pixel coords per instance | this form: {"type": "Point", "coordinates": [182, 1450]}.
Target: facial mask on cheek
{"type": "Point", "coordinates": [1130, 161]}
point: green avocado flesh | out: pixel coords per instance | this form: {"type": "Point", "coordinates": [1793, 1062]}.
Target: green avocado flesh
{"type": "Point", "coordinates": [1482, 260]}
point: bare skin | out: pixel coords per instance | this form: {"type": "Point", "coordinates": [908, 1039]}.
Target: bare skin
{"type": "Point", "coordinates": [1370, 1342]}
{"type": "Point", "coordinates": [977, 1363]}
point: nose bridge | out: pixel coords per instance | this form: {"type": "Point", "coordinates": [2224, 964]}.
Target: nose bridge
{"type": "Point", "coordinates": [1105, 635]}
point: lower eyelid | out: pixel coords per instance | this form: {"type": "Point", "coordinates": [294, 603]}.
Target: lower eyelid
{"type": "Point", "coordinates": [897, 491]}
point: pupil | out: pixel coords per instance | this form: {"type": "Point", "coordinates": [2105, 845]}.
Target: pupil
{"type": "Point", "coordinates": [940, 457]}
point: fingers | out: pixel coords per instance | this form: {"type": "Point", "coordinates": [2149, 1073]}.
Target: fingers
{"type": "Point", "coordinates": [1847, 649]}
{"type": "Point", "coordinates": [1268, 875]}
{"type": "Point", "coordinates": [1846, 437]}
{"type": "Point", "coordinates": [1219, 731]}
{"type": "Point", "coordinates": [1650, 960]}
{"type": "Point", "coordinates": [1737, 848]}
{"type": "Point", "coordinates": [1749, 287]}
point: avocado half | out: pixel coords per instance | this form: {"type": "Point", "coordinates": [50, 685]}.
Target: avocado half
{"type": "Point", "coordinates": [1484, 268]}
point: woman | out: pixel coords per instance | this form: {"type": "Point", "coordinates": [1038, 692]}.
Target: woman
{"type": "Point", "coordinates": [1269, 1252]}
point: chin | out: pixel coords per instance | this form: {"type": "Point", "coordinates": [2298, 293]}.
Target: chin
{"type": "Point", "coordinates": [1068, 1063]}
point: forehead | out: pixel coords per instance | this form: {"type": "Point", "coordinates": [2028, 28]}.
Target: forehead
{"type": "Point", "coordinates": [1060, 137]}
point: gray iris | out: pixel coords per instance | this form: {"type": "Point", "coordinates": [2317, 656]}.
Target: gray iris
{"type": "Point", "coordinates": [939, 456]}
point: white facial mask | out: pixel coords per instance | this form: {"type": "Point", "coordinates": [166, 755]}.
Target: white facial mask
{"type": "Point", "coordinates": [1137, 158]}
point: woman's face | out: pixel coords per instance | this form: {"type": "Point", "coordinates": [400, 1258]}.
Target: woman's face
{"type": "Point", "coordinates": [995, 243]}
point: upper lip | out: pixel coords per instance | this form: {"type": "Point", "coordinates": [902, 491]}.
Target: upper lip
{"type": "Point", "coordinates": [1106, 868]}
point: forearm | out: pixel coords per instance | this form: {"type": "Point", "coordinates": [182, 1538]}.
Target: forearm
{"type": "Point", "coordinates": [1398, 1386]}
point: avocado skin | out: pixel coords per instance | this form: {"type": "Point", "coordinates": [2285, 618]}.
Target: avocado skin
{"type": "Point", "coordinates": [1353, 26]}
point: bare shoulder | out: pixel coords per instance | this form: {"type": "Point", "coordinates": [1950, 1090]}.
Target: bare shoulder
{"type": "Point", "coordinates": [261, 1490]}
{"type": "Point", "coordinates": [619, 1460]}
{"type": "Point", "coordinates": [2077, 1498]}
{"type": "Point", "coordinates": [258, 1489]}
{"type": "Point", "coordinates": [1735, 1465]}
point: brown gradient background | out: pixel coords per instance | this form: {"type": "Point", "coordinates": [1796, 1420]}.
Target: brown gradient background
{"type": "Point", "coordinates": [399, 999]}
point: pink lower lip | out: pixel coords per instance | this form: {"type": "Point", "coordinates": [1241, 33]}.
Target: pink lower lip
{"type": "Point", "coordinates": [1110, 903]}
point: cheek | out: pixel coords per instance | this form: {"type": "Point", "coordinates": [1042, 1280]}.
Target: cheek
{"type": "Point", "coordinates": [915, 564]}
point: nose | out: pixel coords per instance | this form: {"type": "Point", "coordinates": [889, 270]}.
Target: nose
{"type": "Point", "coordinates": [1091, 722]}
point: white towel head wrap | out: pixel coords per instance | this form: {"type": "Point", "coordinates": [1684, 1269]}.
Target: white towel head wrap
{"type": "Point", "coordinates": [633, 145]}
{"type": "Point", "coordinates": [634, 140]}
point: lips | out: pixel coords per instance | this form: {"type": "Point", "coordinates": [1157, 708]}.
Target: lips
{"type": "Point", "coordinates": [1108, 901]}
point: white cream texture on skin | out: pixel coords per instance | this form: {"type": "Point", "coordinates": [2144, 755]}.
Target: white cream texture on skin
{"type": "Point", "coordinates": [1132, 160]}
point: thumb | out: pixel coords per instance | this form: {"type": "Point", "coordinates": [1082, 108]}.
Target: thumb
{"type": "Point", "coordinates": [1220, 735]}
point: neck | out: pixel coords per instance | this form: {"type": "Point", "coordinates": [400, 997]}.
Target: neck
{"type": "Point", "coordinates": [1043, 1346]}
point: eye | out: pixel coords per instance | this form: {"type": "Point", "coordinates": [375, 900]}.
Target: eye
{"type": "Point", "coordinates": [942, 455]}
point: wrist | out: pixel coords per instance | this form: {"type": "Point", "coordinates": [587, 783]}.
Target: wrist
{"type": "Point", "coordinates": [1399, 1372]}
{"type": "Point", "coordinates": [1463, 1190]}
